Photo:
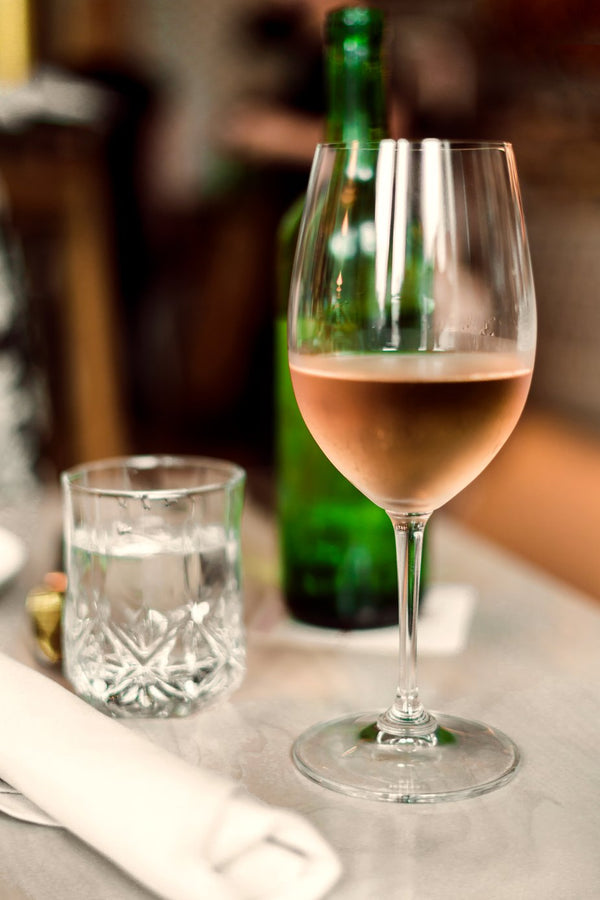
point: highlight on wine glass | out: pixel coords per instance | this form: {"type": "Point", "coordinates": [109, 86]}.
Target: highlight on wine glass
{"type": "Point", "coordinates": [152, 619]}
{"type": "Point", "coordinates": [411, 332]}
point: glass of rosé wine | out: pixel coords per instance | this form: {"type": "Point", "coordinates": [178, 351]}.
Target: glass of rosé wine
{"type": "Point", "coordinates": [411, 334]}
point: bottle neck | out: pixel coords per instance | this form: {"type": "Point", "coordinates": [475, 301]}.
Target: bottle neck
{"type": "Point", "coordinates": [355, 91]}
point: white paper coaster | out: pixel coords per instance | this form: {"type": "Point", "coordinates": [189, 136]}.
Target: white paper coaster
{"type": "Point", "coordinates": [443, 626]}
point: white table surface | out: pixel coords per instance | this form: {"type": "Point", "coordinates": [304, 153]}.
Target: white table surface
{"type": "Point", "coordinates": [530, 666]}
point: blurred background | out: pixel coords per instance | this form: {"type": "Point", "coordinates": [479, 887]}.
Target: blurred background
{"type": "Point", "coordinates": [147, 153]}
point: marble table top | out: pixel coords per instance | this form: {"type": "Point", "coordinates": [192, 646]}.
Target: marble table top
{"type": "Point", "coordinates": [528, 664]}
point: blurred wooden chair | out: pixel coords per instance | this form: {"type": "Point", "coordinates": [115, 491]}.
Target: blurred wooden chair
{"type": "Point", "coordinates": [540, 498]}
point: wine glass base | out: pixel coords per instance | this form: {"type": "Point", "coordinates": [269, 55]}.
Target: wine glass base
{"type": "Point", "coordinates": [462, 759]}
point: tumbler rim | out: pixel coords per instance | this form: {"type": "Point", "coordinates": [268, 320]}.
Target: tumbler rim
{"type": "Point", "coordinates": [233, 475]}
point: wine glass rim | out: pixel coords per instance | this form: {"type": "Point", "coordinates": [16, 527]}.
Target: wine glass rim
{"type": "Point", "coordinates": [418, 145]}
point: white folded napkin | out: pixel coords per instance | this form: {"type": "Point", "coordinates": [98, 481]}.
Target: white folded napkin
{"type": "Point", "coordinates": [185, 833]}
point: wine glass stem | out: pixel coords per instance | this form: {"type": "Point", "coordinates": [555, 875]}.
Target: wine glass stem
{"type": "Point", "coordinates": [407, 716]}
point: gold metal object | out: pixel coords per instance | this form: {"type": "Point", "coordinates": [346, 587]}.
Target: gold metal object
{"type": "Point", "coordinates": [44, 605]}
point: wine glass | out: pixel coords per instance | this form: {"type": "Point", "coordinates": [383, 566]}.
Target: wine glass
{"type": "Point", "coordinates": [412, 330]}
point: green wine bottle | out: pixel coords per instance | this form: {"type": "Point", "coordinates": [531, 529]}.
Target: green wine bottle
{"type": "Point", "coordinates": [338, 563]}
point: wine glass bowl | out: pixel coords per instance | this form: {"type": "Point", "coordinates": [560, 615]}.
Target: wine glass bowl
{"type": "Point", "coordinates": [411, 335]}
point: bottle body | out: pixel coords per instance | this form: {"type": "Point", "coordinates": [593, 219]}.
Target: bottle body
{"type": "Point", "coordinates": [337, 550]}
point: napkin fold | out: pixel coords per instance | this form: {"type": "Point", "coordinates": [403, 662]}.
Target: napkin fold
{"type": "Point", "coordinates": [183, 832]}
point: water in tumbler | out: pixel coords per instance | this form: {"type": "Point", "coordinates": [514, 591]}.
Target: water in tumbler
{"type": "Point", "coordinates": [155, 619]}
